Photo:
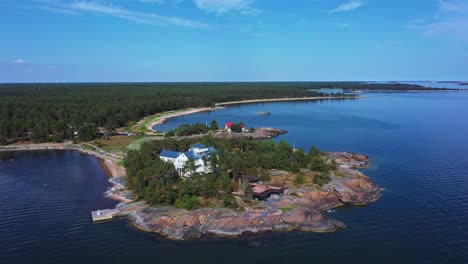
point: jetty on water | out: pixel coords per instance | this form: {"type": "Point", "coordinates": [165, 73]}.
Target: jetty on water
{"type": "Point", "coordinates": [104, 214]}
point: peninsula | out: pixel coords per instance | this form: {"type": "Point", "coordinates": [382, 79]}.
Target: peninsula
{"type": "Point", "coordinates": [175, 186]}
{"type": "Point", "coordinates": [245, 186]}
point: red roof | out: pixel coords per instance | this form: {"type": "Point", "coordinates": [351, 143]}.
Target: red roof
{"type": "Point", "coordinates": [229, 124]}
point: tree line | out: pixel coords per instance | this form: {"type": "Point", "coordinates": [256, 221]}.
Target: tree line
{"type": "Point", "coordinates": [192, 129]}
{"type": "Point", "coordinates": [55, 112]}
{"type": "Point", "coordinates": [157, 182]}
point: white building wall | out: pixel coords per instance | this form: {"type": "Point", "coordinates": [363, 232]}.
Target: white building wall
{"type": "Point", "coordinates": [181, 161]}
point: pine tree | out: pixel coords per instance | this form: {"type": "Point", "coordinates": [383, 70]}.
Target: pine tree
{"type": "Point", "coordinates": [214, 125]}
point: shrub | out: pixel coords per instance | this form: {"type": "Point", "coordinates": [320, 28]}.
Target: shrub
{"type": "Point", "coordinates": [322, 178]}
{"type": "Point", "coordinates": [187, 202]}
{"type": "Point", "coordinates": [265, 176]}
{"type": "Point", "coordinates": [287, 208]}
{"type": "Point", "coordinates": [230, 202]}
{"type": "Point", "coordinates": [214, 125]}
{"type": "Point", "coordinates": [236, 128]}
{"type": "Point", "coordinates": [170, 133]}
{"type": "Point", "coordinates": [317, 163]}
{"type": "Point", "coordinates": [299, 179]}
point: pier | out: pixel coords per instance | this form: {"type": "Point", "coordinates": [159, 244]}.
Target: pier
{"type": "Point", "coordinates": [104, 214]}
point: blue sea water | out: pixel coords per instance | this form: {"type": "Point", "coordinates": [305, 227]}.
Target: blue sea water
{"type": "Point", "coordinates": [417, 142]}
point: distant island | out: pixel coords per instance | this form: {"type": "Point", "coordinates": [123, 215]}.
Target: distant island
{"type": "Point", "coordinates": [454, 82]}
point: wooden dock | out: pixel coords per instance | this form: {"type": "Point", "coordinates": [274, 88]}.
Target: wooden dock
{"type": "Point", "coordinates": [104, 214]}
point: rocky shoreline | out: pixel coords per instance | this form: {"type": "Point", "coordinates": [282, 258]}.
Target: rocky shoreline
{"type": "Point", "coordinates": [259, 133]}
{"type": "Point", "coordinates": [298, 209]}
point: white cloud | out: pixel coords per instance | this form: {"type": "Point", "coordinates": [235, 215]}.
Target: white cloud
{"type": "Point", "coordinates": [78, 7]}
{"type": "Point", "coordinates": [58, 10]}
{"type": "Point", "coordinates": [19, 61]}
{"type": "Point", "coordinates": [355, 4]}
{"type": "Point", "coordinates": [455, 28]}
{"type": "Point", "coordinates": [451, 21]}
{"type": "Point", "coordinates": [453, 5]}
{"type": "Point", "coordinates": [224, 6]}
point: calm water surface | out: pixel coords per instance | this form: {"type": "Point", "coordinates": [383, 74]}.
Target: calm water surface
{"type": "Point", "coordinates": [417, 141]}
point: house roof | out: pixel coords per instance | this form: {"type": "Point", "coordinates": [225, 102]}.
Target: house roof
{"type": "Point", "coordinates": [190, 154]}
{"type": "Point", "coordinates": [198, 145]}
{"type": "Point", "coordinates": [193, 155]}
{"type": "Point", "coordinates": [169, 154]}
{"type": "Point", "coordinates": [229, 124]}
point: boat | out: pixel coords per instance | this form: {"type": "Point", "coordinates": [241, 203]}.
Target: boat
{"type": "Point", "coordinates": [264, 113]}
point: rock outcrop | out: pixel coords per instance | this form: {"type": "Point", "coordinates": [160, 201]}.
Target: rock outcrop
{"type": "Point", "coordinates": [259, 133]}
{"type": "Point", "coordinates": [300, 209]}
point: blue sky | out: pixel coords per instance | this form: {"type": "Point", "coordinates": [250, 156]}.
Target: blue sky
{"type": "Point", "coordinates": [232, 40]}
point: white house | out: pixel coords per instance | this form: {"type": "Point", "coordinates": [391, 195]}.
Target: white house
{"type": "Point", "coordinates": [199, 153]}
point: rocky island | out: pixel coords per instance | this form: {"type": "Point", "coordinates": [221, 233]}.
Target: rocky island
{"type": "Point", "coordinates": [299, 208]}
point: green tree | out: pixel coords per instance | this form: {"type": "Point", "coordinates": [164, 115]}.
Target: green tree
{"type": "Point", "coordinates": [248, 191]}
{"type": "Point", "coordinates": [170, 133]}
{"type": "Point", "coordinates": [236, 128]}
{"type": "Point", "coordinates": [87, 132]}
{"type": "Point", "coordinates": [317, 163]}
{"type": "Point", "coordinates": [190, 166]}
{"type": "Point", "coordinates": [264, 175]}
{"type": "Point", "coordinates": [187, 202]}
{"type": "Point", "coordinates": [184, 130]}
{"type": "Point", "coordinates": [214, 125]}
{"type": "Point", "coordinates": [213, 162]}
{"type": "Point", "coordinates": [300, 157]}
{"type": "Point", "coordinates": [313, 152]}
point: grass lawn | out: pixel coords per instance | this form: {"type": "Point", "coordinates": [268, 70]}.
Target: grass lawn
{"type": "Point", "coordinates": [117, 143]}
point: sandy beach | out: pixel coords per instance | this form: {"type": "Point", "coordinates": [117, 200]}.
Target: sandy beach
{"type": "Point", "coordinates": [277, 100]}
{"type": "Point", "coordinates": [163, 118]}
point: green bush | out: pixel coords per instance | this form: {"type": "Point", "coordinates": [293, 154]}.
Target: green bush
{"type": "Point", "coordinates": [265, 176]}
{"type": "Point", "coordinates": [230, 202]}
{"type": "Point", "coordinates": [299, 179]}
{"type": "Point", "coordinates": [236, 128]}
{"type": "Point", "coordinates": [317, 163]}
{"type": "Point", "coordinates": [322, 178]}
{"type": "Point", "coordinates": [170, 133]}
{"type": "Point", "coordinates": [187, 202]}
{"type": "Point", "coordinates": [287, 208]}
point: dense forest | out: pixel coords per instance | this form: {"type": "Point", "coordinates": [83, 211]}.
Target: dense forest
{"type": "Point", "coordinates": [54, 112]}
{"type": "Point", "coordinates": [157, 182]}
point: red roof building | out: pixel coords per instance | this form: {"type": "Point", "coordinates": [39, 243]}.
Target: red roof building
{"type": "Point", "coordinates": [229, 124]}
